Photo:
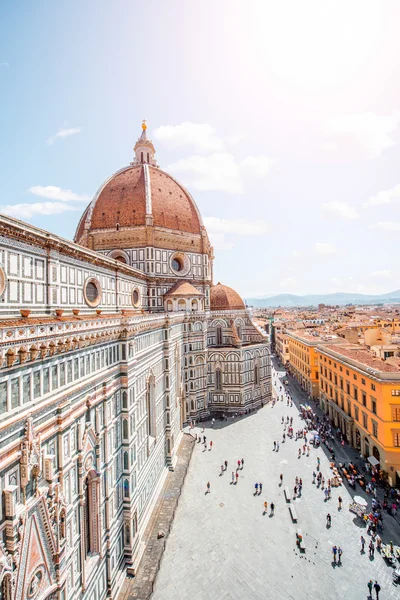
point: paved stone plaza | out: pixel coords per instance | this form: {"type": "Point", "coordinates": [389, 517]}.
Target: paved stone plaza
{"type": "Point", "coordinates": [221, 545]}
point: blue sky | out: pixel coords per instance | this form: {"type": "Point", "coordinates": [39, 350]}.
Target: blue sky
{"type": "Point", "coordinates": [282, 119]}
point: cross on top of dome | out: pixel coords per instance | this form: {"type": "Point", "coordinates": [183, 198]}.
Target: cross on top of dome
{"type": "Point", "coordinates": [144, 149]}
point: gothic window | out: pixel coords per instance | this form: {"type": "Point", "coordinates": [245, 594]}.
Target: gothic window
{"type": "Point", "coordinates": [124, 400]}
{"type": "Point", "coordinates": [219, 336]}
{"type": "Point", "coordinates": [141, 157]}
{"type": "Point", "coordinates": [126, 461]}
{"type": "Point", "coordinates": [126, 488]}
{"type": "Point", "coordinates": [125, 433]}
{"type": "Point", "coordinates": [218, 380]}
{"type": "Point", "coordinates": [148, 157]}
{"type": "Point", "coordinates": [256, 375]}
{"type": "Point", "coordinates": [151, 408]}
{"type": "Point", "coordinates": [92, 515]}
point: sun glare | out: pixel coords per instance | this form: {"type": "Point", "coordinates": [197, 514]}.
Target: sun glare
{"type": "Point", "coordinates": [317, 44]}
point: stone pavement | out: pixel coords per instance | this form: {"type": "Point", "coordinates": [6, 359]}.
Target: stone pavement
{"type": "Point", "coordinates": [221, 546]}
{"type": "Point", "coordinates": [141, 586]}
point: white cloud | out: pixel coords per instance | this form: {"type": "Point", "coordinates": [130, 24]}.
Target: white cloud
{"type": "Point", "coordinates": [219, 241]}
{"type": "Point", "coordinates": [258, 166]}
{"type": "Point", "coordinates": [388, 225]}
{"type": "Point", "coordinates": [337, 282]}
{"type": "Point", "coordinates": [288, 282]}
{"type": "Point", "coordinates": [323, 248]}
{"type": "Point", "coordinates": [342, 209]}
{"type": "Point", "coordinates": [52, 192]}
{"type": "Point", "coordinates": [26, 211]}
{"type": "Point", "coordinates": [235, 226]}
{"type": "Point", "coordinates": [199, 136]}
{"type": "Point", "coordinates": [382, 273]}
{"type": "Point", "coordinates": [218, 171]}
{"type": "Point", "coordinates": [63, 133]}
{"type": "Point", "coordinates": [385, 196]}
{"type": "Point", "coordinates": [363, 135]}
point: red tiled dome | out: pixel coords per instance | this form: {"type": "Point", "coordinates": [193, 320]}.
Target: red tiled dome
{"type": "Point", "coordinates": [223, 297]}
{"type": "Point", "coordinates": [137, 197]}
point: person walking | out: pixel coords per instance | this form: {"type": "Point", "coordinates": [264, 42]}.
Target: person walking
{"type": "Point", "coordinates": [318, 463]}
{"type": "Point", "coordinates": [313, 476]}
{"type": "Point", "coordinates": [370, 585]}
{"type": "Point", "coordinates": [272, 508]}
{"type": "Point", "coordinates": [340, 502]}
{"type": "Point", "coordinates": [334, 552]}
{"type": "Point", "coordinates": [211, 445]}
{"type": "Point", "coordinates": [281, 478]}
{"type": "Point", "coordinates": [277, 446]}
{"type": "Point", "coordinates": [233, 476]}
{"type": "Point", "coordinates": [377, 589]}
{"type": "Point", "coordinates": [208, 487]}
{"type": "Point", "coordinates": [299, 452]}
{"type": "Point", "coordinates": [265, 507]}
{"type": "Point", "coordinates": [205, 446]}
{"type": "Point", "coordinates": [362, 540]}
{"type": "Point", "coordinates": [256, 489]}
{"type": "Point", "coordinates": [340, 552]}
{"type": "Point", "coordinates": [260, 488]}
{"type": "Point", "coordinates": [370, 546]}
{"type": "Point", "coordinates": [226, 465]}
{"type": "Point", "coordinates": [274, 445]}
{"type": "Point", "coordinates": [238, 463]}
{"type": "Point", "coordinates": [237, 476]}
{"type": "Point", "coordinates": [222, 469]}
{"type": "Point", "coordinates": [242, 463]}
{"type": "Point", "coordinates": [204, 439]}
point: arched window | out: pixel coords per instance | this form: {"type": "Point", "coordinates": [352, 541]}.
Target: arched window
{"type": "Point", "coordinates": [126, 461]}
{"type": "Point", "coordinates": [151, 408]}
{"type": "Point", "coordinates": [181, 305]}
{"type": "Point", "coordinates": [126, 488]}
{"type": "Point", "coordinates": [239, 331]}
{"type": "Point", "coordinates": [219, 336]}
{"type": "Point", "coordinates": [125, 432]}
{"type": "Point", "coordinates": [124, 400]}
{"type": "Point", "coordinates": [169, 305]}
{"type": "Point", "coordinates": [194, 305]}
{"type": "Point", "coordinates": [218, 380]}
{"type": "Point", "coordinates": [92, 515]}
{"type": "Point", "coordinates": [148, 157]}
{"type": "Point", "coordinates": [256, 375]}
{"type": "Point", "coordinates": [141, 157]}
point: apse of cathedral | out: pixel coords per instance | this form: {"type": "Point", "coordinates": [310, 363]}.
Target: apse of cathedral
{"type": "Point", "coordinates": [110, 346]}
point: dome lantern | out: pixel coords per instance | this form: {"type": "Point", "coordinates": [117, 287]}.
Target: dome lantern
{"type": "Point", "coordinates": [144, 149]}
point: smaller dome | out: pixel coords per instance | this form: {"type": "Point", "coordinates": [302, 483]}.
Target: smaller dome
{"type": "Point", "coordinates": [223, 297]}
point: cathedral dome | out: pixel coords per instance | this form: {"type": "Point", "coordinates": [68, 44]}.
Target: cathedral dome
{"type": "Point", "coordinates": [223, 297]}
{"type": "Point", "coordinates": [141, 205]}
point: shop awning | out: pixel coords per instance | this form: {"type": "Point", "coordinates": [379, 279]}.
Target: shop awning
{"type": "Point", "coordinates": [373, 461]}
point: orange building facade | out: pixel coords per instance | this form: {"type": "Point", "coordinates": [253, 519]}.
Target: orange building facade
{"type": "Point", "coordinates": [361, 395]}
{"type": "Point", "coordinates": [303, 361]}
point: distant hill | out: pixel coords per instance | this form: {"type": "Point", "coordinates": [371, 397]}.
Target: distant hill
{"type": "Point", "coordinates": [341, 299]}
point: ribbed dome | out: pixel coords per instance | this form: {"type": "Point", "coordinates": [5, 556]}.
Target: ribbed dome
{"type": "Point", "coordinates": [223, 297]}
{"type": "Point", "coordinates": [132, 200]}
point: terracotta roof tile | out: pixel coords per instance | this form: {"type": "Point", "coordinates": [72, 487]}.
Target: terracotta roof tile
{"type": "Point", "coordinates": [223, 297]}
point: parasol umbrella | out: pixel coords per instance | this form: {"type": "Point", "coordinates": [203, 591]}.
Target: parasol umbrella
{"type": "Point", "coordinates": [373, 461]}
{"type": "Point", "coordinates": [314, 433]}
{"type": "Point", "coordinates": [360, 501]}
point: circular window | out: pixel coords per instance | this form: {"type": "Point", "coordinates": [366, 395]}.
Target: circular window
{"type": "Point", "coordinates": [135, 298]}
{"type": "Point", "coordinates": [179, 263]}
{"type": "Point", "coordinates": [92, 292]}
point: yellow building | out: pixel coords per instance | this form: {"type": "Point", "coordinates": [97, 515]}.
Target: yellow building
{"type": "Point", "coordinates": [361, 394]}
{"type": "Point", "coordinates": [282, 346]}
{"type": "Point", "coordinates": [303, 360]}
